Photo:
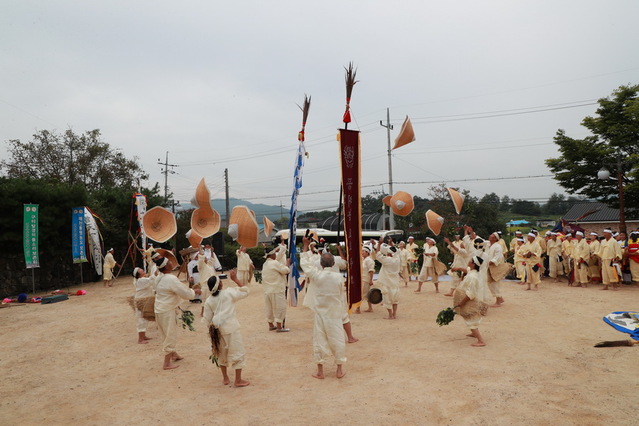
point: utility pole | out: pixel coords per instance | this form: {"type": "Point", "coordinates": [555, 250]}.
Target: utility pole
{"type": "Point", "coordinates": [166, 172]}
{"type": "Point", "coordinates": [389, 127]}
{"type": "Point", "coordinates": [226, 186]}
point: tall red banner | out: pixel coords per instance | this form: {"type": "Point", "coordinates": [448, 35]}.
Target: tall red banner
{"type": "Point", "coordinates": [351, 186]}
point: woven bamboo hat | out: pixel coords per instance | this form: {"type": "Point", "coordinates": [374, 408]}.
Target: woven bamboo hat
{"type": "Point", "coordinates": [168, 254]}
{"type": "Point", "coordinates": [458, 199]}
{"type": "Point", "coordinates": [159, 224]}
{"type": "Point", "coordinates": [268, 226]}
{"type": "Point", "coordinates": [202, 195]}
{"type": "Point", "coordinates": [402, 203]}
{"type": "Point", "coordinates": [387, 200]}
{"type": "Point", "coordinates": [434, 222]}
{"type": "Point", "coordinates": [205, 221]}
{"type": "Point", "coordinates": [374, 296]}
{"type": "Point", "coordinates": [243, 226]}
{"type": "Point", "coordinates": [194, 238]}
{"type": "Point", "coordinates": [406, 134]}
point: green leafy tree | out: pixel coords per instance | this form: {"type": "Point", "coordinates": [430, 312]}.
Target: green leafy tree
{"type": "Point", "coordinates": [614, 144]}
{"type": "Point", "coordinates": [525, 207]}
{"type": "Point", "coordinates": [372, 204]}
{"type": "Point", "coordinates": [505, 204]}
{"type": "Point", "coordinates": [491, 198]}
{"type": "Point", "coordinates": [72, 158]}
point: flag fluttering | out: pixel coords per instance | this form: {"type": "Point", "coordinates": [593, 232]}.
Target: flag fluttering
{"type": "Point", "coordinates": [406, 134]}
{"type": "Point", "coordinates": [294, 276]}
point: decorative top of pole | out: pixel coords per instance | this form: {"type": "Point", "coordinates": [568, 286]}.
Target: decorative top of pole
{"type": "Point", "coordinates": [305, 109]}
{"type": "Point", "coordinates": [350, 82]}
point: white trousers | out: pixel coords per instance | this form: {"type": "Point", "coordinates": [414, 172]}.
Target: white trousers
{"type": "Point", "coordinates": [275, 307]}
{"type": "Point", "coordinates": [329, 339]}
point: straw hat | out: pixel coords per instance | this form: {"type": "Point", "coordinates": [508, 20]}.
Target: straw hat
{"type": "Point", "coordinates": [202, 195]}
{"type": "Point", "coordinates": [194, 238]}
{"type": "Point", "coordinates": [159, 224]}
{"type": "Point", "coordinates": [458, 199]}
{"type": "Point", "coordinates": [434, 221]}
{"type": "Point", "coordinates": [205, 221]}
{"type": "Point", "coordinates": [402, 203]}
{"type": "Point", "coordinates": [168, 254]}
{"type": "Point", "coordinates": [387, 200]}
{"type": "Point", "coordinates": [406, 134]}
{"type": "Point", "coordinates": [268, 226]}
{"type": "Point", "coordinates": [243, 226]}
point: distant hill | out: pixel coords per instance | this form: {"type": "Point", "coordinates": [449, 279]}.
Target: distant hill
{"type": "Point", "coordinates": [261, 210]}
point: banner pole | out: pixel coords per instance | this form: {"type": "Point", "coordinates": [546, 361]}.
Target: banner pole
{"type": "Point", "coordinates": [33, 280]}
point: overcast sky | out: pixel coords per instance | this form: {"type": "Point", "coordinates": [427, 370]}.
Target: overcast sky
{"type": "Point", "coordinates": [216, 85]}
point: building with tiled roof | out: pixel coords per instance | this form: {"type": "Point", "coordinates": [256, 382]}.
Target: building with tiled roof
{"type": "Point", "coordinates": [595, 216]}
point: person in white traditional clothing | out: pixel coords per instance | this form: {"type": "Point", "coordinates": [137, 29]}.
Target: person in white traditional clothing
{"type": "Point", "coordinates": [513, 243]}
{"type": "Point", "coordinates": [211, 258]}
{"type": "Point", "coordinates": [388, 278]}
{"type": "Point", "coordinates": [495, 257]}
{"type": "Point", "coordinates": [282, 251]}
{"type": "Point", "coordinates": [224, 328]}
{"type": "Point", "coordinates": [169, 292]}
{"type": "Point", "coordinates": [520, 261]}
{"type": "Point", "coordinates": [244, 265]}
{"type": "Point", "coordinates": [148, 257]}
{"type": "Point", "coordinates": [404, 257]}
{"type": "Point", "coordinates": [581, 256]}
{"type": "Point", "coordinates": [567, 249]}
{"type": "Point", "coordinates": [428, 267]}
{"type": "Point", "coordinates": [107, 268]}
{"type": "Point", "coordinates": [555, 259]}
{"type": "Point", "coordinates": [193, 274]}
{"type": "Point", "coordinates": [531, 251]}
{"type": "Point", "coordinates": [460, 260]}
{"type": "Point", "coordinates": [411, 246]}
{"type": "Point", "coordinates": [610, 254]}
{"type": "Point", "coordinates": [205, 272]}
{"type": "Point", "coordinates": [312, 256]}
{"type": "Point", "coordinates": [274, 282]}
{"type": "Point", "coordinates": [470, 299]}
{"type": "Point", "coordinates": [143, 284]}
{"type": "Point", "coordinates": [595, 262]}
{"type": "Point", "coordinates": [368, 270]}
{"type": "Point", "coordinates": [328, 301]}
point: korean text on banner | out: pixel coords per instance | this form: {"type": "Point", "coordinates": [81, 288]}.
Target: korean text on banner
{"type": "Point", "coordinates": [78, 245]}
{"type": "Point", "coordinates": [30, 237]}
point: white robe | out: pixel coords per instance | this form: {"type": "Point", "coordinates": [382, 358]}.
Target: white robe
{"type": "Point", "coordinates": [329, 337]}
{"type": "Point", "coordinates": [219, 311]}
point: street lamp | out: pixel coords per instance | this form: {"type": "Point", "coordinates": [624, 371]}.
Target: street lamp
{"type": "Point", "coordinates": [604, 174]}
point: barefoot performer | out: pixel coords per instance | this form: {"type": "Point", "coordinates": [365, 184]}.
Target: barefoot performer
{"type": "Point", "coordinates": [143, 289]}
{"type": "Point", "coordinates": [328, 304]}
{"type": "Point", "coordinates": [169, 292]}
{"type": "Point", "coordinates": [469, 299]}
{"type": "Point", "coordinates": [388, 279]}
{"type": "Point", "coordinates": [224, 328]}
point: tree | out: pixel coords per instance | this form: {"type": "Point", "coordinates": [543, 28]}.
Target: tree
{"type": "Point", "coordinates": [72, 159]}
{"type": "Point", "coordinates": [505, 206]}
{"type": "Point", "coordinates": [491, 198]}
{"type": "Point", "coordinates": [371, 204]}
{"type": "Point", "coordinates": [614, 144]}
{"type": "Point", "coordinates": [525, 207]}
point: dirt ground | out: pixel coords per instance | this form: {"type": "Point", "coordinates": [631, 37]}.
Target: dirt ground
{"type": "Point", "coordinates": [78, 362]}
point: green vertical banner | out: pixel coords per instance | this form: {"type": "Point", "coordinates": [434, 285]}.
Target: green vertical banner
{"type": "Point", "coordinates": [31, 256]}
